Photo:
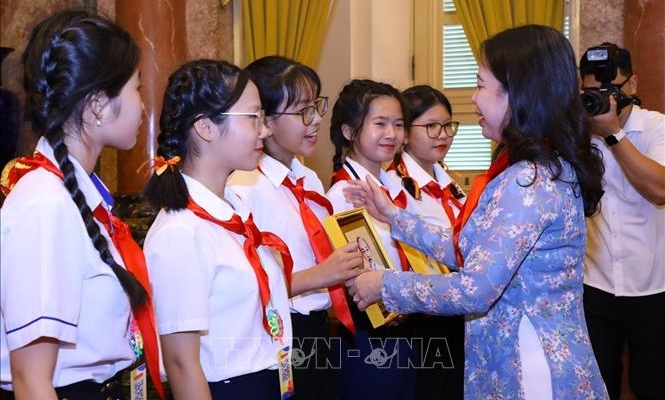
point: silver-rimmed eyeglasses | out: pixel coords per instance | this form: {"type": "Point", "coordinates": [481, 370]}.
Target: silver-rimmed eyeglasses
{"type": "Point", "coordinates": [258, 116]}
{"type": "Point", "coordinates": [434, 129]}
{"type": "Point", "coordinates": [320, 106]}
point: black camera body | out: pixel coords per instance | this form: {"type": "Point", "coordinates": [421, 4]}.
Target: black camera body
{"type": "Point", "coordinates": [597, 100]}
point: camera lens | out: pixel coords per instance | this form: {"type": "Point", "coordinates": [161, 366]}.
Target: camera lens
{"type": "Point", "coordinates": [595, 102]}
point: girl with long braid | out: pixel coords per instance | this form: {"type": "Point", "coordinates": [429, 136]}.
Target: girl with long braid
{"type": "Point", "coordinates": [72, 301]}
{"type": "Point", "coordinates": [221, 296]}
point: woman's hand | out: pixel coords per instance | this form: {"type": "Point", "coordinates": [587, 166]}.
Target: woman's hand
{"type": "Point", "coordinates": [370, 196]}
{"type": "Point", "coordinates": [365, 288]}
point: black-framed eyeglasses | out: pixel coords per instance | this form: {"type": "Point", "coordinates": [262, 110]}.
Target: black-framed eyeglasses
{"type": "Point", "coordinates": [320, 106]}
{"type": "Point", "coordinates": [434, 129]}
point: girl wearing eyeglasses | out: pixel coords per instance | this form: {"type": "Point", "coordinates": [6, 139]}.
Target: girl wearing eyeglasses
{"type": "Point", "coordinates": [287, 198]}
{"type": "Point", "coordinates": [420, 169]}
{"type": "Point", "coordinates": [367, 130]}
{"type": "Point", "coordinates": [220, 294]}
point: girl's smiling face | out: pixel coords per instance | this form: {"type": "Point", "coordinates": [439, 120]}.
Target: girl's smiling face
{"type": "Point", "coordinates": [381, 135]}
{"type": "Point", "coordinates": [290, 136]}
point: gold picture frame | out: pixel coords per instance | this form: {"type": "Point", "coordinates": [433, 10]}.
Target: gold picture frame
{"type": "Point", "coordinates": [421, 263]}
{"type": "Point", "coordinates": [355, 225]}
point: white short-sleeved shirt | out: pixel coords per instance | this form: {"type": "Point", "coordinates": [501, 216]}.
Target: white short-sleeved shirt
{"type": "Point", "coordinates": [53, 283]}
{"type": "Point", "coordinates": [275, 209]}
{"type": "Point", "coordinates": [429, 208]}
{"type": "Point", "coordinates": [625, 252]}
{"type": "Point", "coordinates": [202, 281]}
{"type": "Point", "coordinates": [336, 196]}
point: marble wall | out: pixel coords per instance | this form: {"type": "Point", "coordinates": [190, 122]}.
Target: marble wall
{"type": "Point", "coordinates": [600, 21]}
{"type": "Point", "coordinates": [644, 36]}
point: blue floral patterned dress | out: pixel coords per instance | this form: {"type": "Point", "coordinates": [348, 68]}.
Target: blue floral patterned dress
{"type": "Point", "coordinates": [523, 248]}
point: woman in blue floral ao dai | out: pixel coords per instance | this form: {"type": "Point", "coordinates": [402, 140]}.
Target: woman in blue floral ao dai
{"type": "Point", "coordinates": [519, 244]}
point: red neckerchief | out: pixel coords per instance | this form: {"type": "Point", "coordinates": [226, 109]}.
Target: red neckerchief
{"type": "Point", "coordinates": [340, 175]}
{"type": "Point", "coordinates": [445, 197]}
{"type": "Point", "coordinates": [320, 243]}
{"type": "Point", "coordinates": [499, 164]}
{"type": "Point", "coordinates": [253, 239]}
{"type": "Point", "coordinates": [18, 167]}
{"type": "Point", "coordinates": [134, 260]}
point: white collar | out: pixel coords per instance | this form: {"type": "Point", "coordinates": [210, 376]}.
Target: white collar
{"type": "Point", "coordinates": [276, 172]}
{"type": "Point", "coordinates": [215, 206]}
{"type": "Point", "coordinates": [393, 187]}
{"type": "Point", "coordinates": [421, 176]}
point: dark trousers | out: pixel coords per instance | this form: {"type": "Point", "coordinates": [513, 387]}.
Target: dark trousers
{"type": "Point", "coordinates": [638, 322]}
{"type": "Point", "coordinates": [377, 364]}
{"type": "Point", "coordinates": [440, 375]}
{"type": "Point", "coordinates": [312, 359]}
{"type": "Point", "coordinates": [86, 390]}
{"type": "Point", "coordinates": [261, 385]}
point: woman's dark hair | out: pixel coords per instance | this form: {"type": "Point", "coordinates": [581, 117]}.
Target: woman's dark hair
{"type": "Point", "coordinates": [536, 67]}
{"type": "Point", "coordinates": [71, 57]}
{"type": "Point", "coordinates": [283, 80]}
{"type": "Point", "coordinates": [351, 108]}
{"type": "Point", "coordinates": [201, 88]}
{"type": "Point", "coordinates": [418, 99]}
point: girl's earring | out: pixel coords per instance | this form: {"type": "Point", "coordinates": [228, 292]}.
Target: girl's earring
{"type": "Point", "coordinates": [98, 118]}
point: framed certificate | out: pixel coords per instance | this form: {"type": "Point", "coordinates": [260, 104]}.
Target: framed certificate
{"type": "Point", "coordinates": [356, 226]}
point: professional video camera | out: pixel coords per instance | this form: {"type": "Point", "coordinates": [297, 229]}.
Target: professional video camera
{"type": "Point", "coordinates": [597, 100]}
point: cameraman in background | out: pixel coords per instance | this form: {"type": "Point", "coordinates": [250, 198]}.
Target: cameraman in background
{"type": "Point", "coordinates": [624, 291]}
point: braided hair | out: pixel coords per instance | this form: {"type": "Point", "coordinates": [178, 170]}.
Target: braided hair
{"type": "Point", "coordinates": [200, 88]}
{"type": "Point", "coordinates": [351, 108]}
{"type": "Point", "coordinates": [71, 57]}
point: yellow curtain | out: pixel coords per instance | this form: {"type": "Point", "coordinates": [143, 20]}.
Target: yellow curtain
{"type": "Point", "coordinates": [291, 28]}
{"type": "Point", "coordinates": [483, 18]}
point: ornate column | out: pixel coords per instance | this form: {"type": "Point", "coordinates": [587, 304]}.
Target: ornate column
{"type": "Point", "coordinates": [158, 26]}
{"type": "Point", "coordinates": [644, 37]}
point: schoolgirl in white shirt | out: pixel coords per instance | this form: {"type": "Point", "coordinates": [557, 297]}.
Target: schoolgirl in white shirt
{"type": "Point", "coordinates": [221, 297]}
{"type": "Point", "coordinates": [419, 168]}
{"type": "Point", "coordinates": [290, 95]}
{"type": "Point", "coordinates": [367, 129]}
{"type": "Point", "coordinates": [66, 299]}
